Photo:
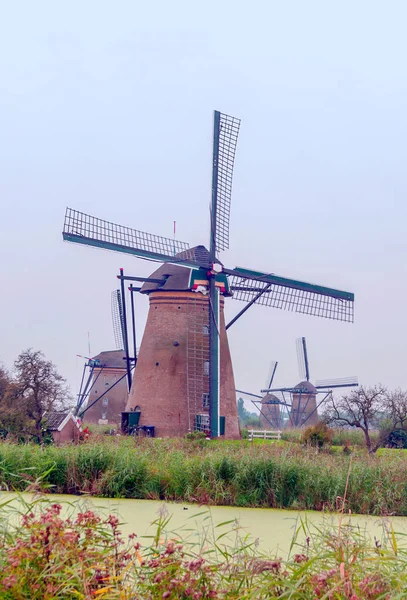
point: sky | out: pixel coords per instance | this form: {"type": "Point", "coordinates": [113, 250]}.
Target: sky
{"type": "Point", "coordinates": [107, 108]}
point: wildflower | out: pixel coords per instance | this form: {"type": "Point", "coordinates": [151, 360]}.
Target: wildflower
{"type": "Point", "coordinates": [9, 582]}
{"type": "Point", "coordinates": [113, 521]}
{"type": "Point", "coordinates": [260, 566]}
{"type": "Point", "coordinates": [300, 558]}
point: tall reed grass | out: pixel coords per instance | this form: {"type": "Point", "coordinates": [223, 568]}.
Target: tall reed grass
{"type": "Point", "coordinates": [236, 474]}
{"type": "Point", "coordinates": [46, 556]}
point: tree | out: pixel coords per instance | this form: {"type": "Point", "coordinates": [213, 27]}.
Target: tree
{"type": "Point", "coordinates": [396, 408]}
{"type": "Point", "coordinates": [37, 388]}
{"type": "Point", "coordinates": [363, 408]}
{"type": "Point", "coordinates": [241, 411]}
{"type": "Point", "coordinates": [247, 418]}
{"type": "Point", "coordinates": [12, 417]}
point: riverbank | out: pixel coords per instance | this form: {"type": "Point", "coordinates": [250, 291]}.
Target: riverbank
{"type": "Point", "coordinates": [214, 473]}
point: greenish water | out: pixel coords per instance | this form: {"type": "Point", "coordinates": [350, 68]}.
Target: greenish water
{"type": "Point", "coordinates": [272, 529]}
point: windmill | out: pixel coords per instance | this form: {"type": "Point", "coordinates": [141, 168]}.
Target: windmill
{"type": "Point", "coordinates": [104, 370]}
{"type": "Point", "coordinates": [303, 396]}
{"type": "Point", "coordinates": [270, 406]}
{"type": "Point", "coordinates": [196, 276]}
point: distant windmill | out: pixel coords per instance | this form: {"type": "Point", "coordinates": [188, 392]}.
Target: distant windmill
{"type": "Point", "coordinates": [184, 377]}
{"type": "Point", "coordinates": [270, 406]}
{"type": "Point", "coordinates": [303, 396]}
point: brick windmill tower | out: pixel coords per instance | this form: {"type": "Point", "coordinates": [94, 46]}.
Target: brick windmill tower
{"type": "Point", "coordinates": [186, 301]}
{"type": "Point", "coordinates": [171, 384]}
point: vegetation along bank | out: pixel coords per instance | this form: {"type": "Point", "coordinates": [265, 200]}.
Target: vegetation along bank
{"type": "Point", "coordinates": [230, 473]}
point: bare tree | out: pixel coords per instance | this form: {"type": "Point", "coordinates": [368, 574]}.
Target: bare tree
{"type": "Point", "coordinates": [38, 388]}
{"type": "Point", "coordinates": [362, 408]}
{"type": "Point", "coordinates": [396, 408]}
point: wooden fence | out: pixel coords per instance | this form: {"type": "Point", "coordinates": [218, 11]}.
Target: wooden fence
{"type": "Point", "coordinates": [264, 434]}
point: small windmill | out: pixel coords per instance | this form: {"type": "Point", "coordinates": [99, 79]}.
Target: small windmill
{"type": "Point", "coordinates": [303, 396]}
{"type": "Point", "coordinates": [270, 406]}
{"type": "Point", "coordinates": [206, 276]}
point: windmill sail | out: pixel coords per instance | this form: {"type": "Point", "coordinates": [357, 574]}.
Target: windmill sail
{"type": "Point", "coordinates": [291, 294]}
{"type": "Point", "coordinates": [271, 373]}
{"type": "Point", "coordinates": [226, 131]}
{"type": "Point", "coordinates": [117, 319]}
{"type": "Point", "coordinates": [92, 231]}
{"type": "Point", "coordinates": [337, 383]}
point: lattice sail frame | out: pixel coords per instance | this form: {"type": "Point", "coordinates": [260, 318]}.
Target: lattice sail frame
{"type": "Point", "coordinates": [117, 319]}
{"type": "Point", "coordinates": [293, 299]}
{"type": "Point", "coordinates": [82, 228]}
{"type": "Point", "coordinates": [301, 359]}
{"type": "Point", "coordinates": [228, 135]}
{"type": "Point", "coordinates": [337, 382]}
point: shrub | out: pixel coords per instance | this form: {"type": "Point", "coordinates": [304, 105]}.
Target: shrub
{"type": "Point", "coordinates": [317, 436]}
{"type": "Point", "coordinates": [397, 439]}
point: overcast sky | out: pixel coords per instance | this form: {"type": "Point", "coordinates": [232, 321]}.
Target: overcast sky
{"type": "Point", "coordinates": [107, 107]}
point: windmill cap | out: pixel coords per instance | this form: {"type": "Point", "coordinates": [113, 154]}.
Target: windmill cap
{"type": "Point", "coordinates": [270, 399]}
{"type": "Point", "coordinates": [306, 386]}
{"type": "Point", "coordinates": [177, 277]}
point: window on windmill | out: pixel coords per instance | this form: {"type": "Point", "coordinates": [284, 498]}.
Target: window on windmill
{"type": "Point", "coordinates": [205, 330]}
{"type": "Point", "coordinates": [205, 400]}
{"type": "Point", "coordinates": [105, 401]}
{"type": "Point", "coordinates": [206, 367]}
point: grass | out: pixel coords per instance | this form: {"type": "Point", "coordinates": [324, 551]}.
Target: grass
{"type": "Point", "coordinates": [223, 473]}
{"type": "Point", "coordinates": [45, 556]}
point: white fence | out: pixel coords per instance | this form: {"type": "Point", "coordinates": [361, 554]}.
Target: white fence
{"type": "Point", "coordinates": [264, 434]}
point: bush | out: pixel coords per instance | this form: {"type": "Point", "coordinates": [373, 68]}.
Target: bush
{"type": "Point", "coordinates": [317, 436]}
{"type": "Point", "coordinates": [397, 439]}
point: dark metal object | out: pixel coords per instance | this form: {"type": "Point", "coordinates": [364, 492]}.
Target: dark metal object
{"type": "Point", "coordinates": [126, 341]}
{"type": "Point", "coordinates": [213, 292]}
{"type": "Point", "coordinates": [144, 279]}
{"type": "Point", "coordinates": [256, 297]}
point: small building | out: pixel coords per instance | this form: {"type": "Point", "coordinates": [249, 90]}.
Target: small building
{"type": "Point", "coordinates": [63, 426]}
{"type": "Point", "coordinates": [109, 383]}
